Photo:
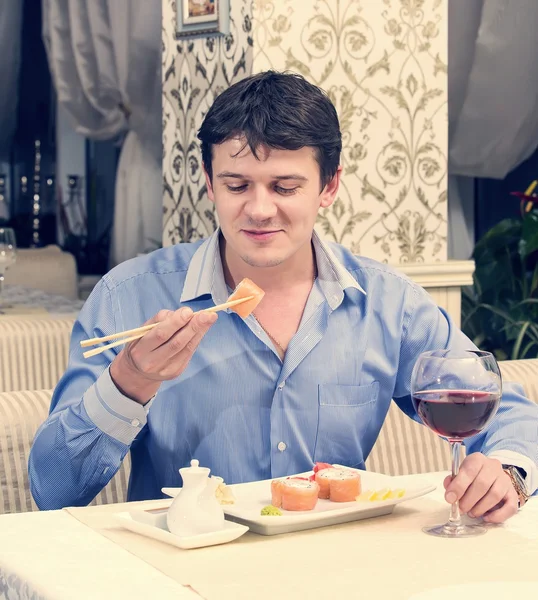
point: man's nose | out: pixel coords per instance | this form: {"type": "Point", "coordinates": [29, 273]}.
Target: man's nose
{"type": "Point", "coordinates": [260, 206]}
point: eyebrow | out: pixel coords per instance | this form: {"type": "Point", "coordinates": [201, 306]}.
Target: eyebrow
{"type": "Point", "coordinates": [293, 176]}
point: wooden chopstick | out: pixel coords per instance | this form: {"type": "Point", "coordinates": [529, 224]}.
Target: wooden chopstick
{"type": "Point", "coordinates": [115, 336]}
{"type": "Point", "coordinates": [96, 351]}
{"type": "Point", "coordinates": [138, 332]}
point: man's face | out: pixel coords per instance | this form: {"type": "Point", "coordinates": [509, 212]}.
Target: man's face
{"type": "Point", "coordinates": [267, 208]}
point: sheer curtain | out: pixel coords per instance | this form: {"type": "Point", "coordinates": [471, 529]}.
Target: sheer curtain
{"type": "Point", "coordinates": [105, 59]}
{"type": "Point", "coordinates": [492, 95]}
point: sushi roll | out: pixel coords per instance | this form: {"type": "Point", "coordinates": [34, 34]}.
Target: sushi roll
{"type": "Point", "coordinates": [338, 484]}
{"type": "Point", "coordinates": [294, 493]}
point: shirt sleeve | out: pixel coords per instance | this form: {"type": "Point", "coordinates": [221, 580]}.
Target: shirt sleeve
{"type": "Point", "coordinates": [513, 430]}
{"type": "Point", "coordinates": [91, 425]}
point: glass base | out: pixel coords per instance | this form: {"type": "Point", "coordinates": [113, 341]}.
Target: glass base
{"type": "Point", "coordinates": [448, 530]}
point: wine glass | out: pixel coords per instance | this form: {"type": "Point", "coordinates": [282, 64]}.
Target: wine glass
{"type": "Point", "coordinates": [8, 253]}
{"type": "Point", "coordinates": [456, 394]}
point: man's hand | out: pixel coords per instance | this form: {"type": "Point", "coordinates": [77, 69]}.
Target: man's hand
{"type": "Point", "coordinates": [483, 489]}
{"type": "Point", "coordinates": [163, 353]}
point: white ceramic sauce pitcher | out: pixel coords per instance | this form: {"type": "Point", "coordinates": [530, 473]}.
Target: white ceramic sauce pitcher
{"type": "Point", "coordinates": [195, 510]}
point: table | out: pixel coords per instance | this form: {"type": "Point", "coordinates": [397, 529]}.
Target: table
{"type": "Point", "coordinates": [54, 556]}
{"type": "Point", "coordinates": [26, 298]}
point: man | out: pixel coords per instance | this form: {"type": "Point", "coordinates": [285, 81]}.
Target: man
{"type": "Point", "coordinates": [308, 377]}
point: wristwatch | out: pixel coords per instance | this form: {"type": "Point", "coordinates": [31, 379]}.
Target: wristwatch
{"type": "Point", "coordinates": [518, 481]}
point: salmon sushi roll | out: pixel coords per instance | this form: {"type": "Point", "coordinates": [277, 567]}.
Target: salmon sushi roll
{"type": "Point", "coordinates": [294, 494]}
{"type": "Point", "coordinates": [245, 288]}
{"type": "Point", "coordinates": [338, 485]}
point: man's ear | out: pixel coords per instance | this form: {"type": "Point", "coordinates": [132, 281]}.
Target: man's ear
{"type": "Point", "coordinates": [330, 191]}
{"type": "Point", "coordinates": [210, 193]}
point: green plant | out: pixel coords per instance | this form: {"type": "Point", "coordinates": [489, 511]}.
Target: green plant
{"type": "Point", "coordinates": [500, 309]}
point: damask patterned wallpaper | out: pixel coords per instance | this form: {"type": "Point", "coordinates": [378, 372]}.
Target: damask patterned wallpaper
{"type": "Point", "coordinates": [195, 71]}
{"type": "Point", "coordinates": [383, 63]}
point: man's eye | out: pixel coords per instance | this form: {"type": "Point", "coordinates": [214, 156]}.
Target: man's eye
{"type": "Point", "coordinates": [285, 191]}
{"type": "Point", "coordinates": [237, 188]}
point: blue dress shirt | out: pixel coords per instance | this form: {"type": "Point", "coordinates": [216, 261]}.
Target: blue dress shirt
{"type": "Point", "coordinates": [238, 408]}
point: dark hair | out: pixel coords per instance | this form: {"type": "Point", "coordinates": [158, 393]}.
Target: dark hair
{"type": "Point", "coordinates": [277, 110]}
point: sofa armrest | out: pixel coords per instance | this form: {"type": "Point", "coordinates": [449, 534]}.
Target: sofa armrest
{"type": "Point", "coordinates": [522, 371]}
{"type": "Point", "coordinates": [21, 414]}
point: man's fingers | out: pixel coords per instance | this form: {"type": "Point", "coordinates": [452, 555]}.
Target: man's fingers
{"type": "Point", "coordinates": [169, 322]}
{"type": "Point", "coordinates": [486, 502]}
{"type": "Point", "coordinates": [467, 474]}
{"type": "Point", "coordinates": [507, 510]}
{"type": "Point", "coordinates": [160, 316]}
{"type": "Point", "coordinates": [480, 488]}
{"type": "Point", "coordinates": [185, 341]}
{"type": "Point", "coordinates": [179, 361]}
{"type": "Point", "coordinates": [141, 352]}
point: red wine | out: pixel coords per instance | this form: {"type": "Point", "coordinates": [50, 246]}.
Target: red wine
{"type": "Point", "coordinates": [456, 414]}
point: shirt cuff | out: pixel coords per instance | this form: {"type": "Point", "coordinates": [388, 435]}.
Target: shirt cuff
{"type": "Point", "coordinates": [509, 457]}
{"type": "Point", "coordinates": [113, 413]}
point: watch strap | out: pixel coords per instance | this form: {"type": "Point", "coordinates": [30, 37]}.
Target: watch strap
{"type": "Point", "coordinates": [518, 482]}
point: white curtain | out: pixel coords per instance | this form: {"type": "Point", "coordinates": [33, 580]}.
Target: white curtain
{"type": "Point", "coordinates": [492, 101]}
{"type": "Point", "coordinates": [105, 59]}
{"type": "Point", "coordinates": [492, 85]}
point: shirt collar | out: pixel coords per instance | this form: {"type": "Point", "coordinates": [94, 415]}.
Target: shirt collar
{"type": "Point", "coordinates": [205, 275]}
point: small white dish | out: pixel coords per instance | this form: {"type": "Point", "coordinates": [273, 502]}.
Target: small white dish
{"type": "Point", "coordinates": [252, 497]}
{"type": "Point", "coordinates": [153, 524]}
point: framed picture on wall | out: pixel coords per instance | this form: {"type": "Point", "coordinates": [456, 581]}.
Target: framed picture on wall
{"type": "Point", "coordinates": [202, 17]}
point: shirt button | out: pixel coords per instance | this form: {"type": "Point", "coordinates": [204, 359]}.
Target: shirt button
{"type": "Point", "coordinates": [135, 422]}
{"type": "Point", "coordinates": [281, 385]}
{"type": "Point", "coordinates": [281, 446]}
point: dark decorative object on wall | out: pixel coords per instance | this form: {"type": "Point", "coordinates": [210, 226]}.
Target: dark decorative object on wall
{"type": "Point", "coordinates": [36, 198]}
{"type": "Point", "coordinates": [3, 198]}
{"type": "Point", "coordinates": [33, 149]}
{"type": "Point", "coordinates": [500, 310]}
{"type": "Point", "coordinates": [202, 17]}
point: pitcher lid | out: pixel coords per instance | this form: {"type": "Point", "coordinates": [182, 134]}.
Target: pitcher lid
{"type": "Point", "coordinates": [195, 468]}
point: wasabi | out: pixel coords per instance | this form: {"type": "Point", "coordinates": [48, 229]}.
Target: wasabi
{"type": "Point", "coordinates": [271, 511]}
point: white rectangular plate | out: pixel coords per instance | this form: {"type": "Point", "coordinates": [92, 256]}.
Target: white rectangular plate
{"type": "Point", "coordinates": [252, 497]}
{"type": "Point", "coordinates": [153, 524]}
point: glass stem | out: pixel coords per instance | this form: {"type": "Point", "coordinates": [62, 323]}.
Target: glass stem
{"type": "Point", "coordinates": [455, 517]}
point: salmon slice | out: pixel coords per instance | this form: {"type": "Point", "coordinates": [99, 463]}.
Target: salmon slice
{"type": "Point", "coordinates": [276, 493]}
{"type": "Point", "coordinates": [245, 288]}
{"type": "Point", "coordinates": [338, 485]}
{"type": "Point", "coordinates": [294, 493]}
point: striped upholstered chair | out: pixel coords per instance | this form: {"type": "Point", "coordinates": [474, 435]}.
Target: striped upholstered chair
{"type": "Point", "coordinates": [33, 351]}
{"type": "Point", "coordinates": [405, 447]}
{"type": "Point", "coordinates": [21, 413]}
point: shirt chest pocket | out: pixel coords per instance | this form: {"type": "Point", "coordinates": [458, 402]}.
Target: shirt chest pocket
{"type": "Point", "coordinates": [344, 415]}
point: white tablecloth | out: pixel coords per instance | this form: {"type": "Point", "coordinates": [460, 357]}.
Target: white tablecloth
{"type": "Point", "coordinates": [51, 556]}
{"type": "Point", "coordinates": [54, 556]}
{"type": "Point", "coordinates": [21, 296]}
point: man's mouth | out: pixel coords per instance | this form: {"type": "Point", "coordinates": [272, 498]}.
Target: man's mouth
{"type": "Point", "coordinates": [261, 234]}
